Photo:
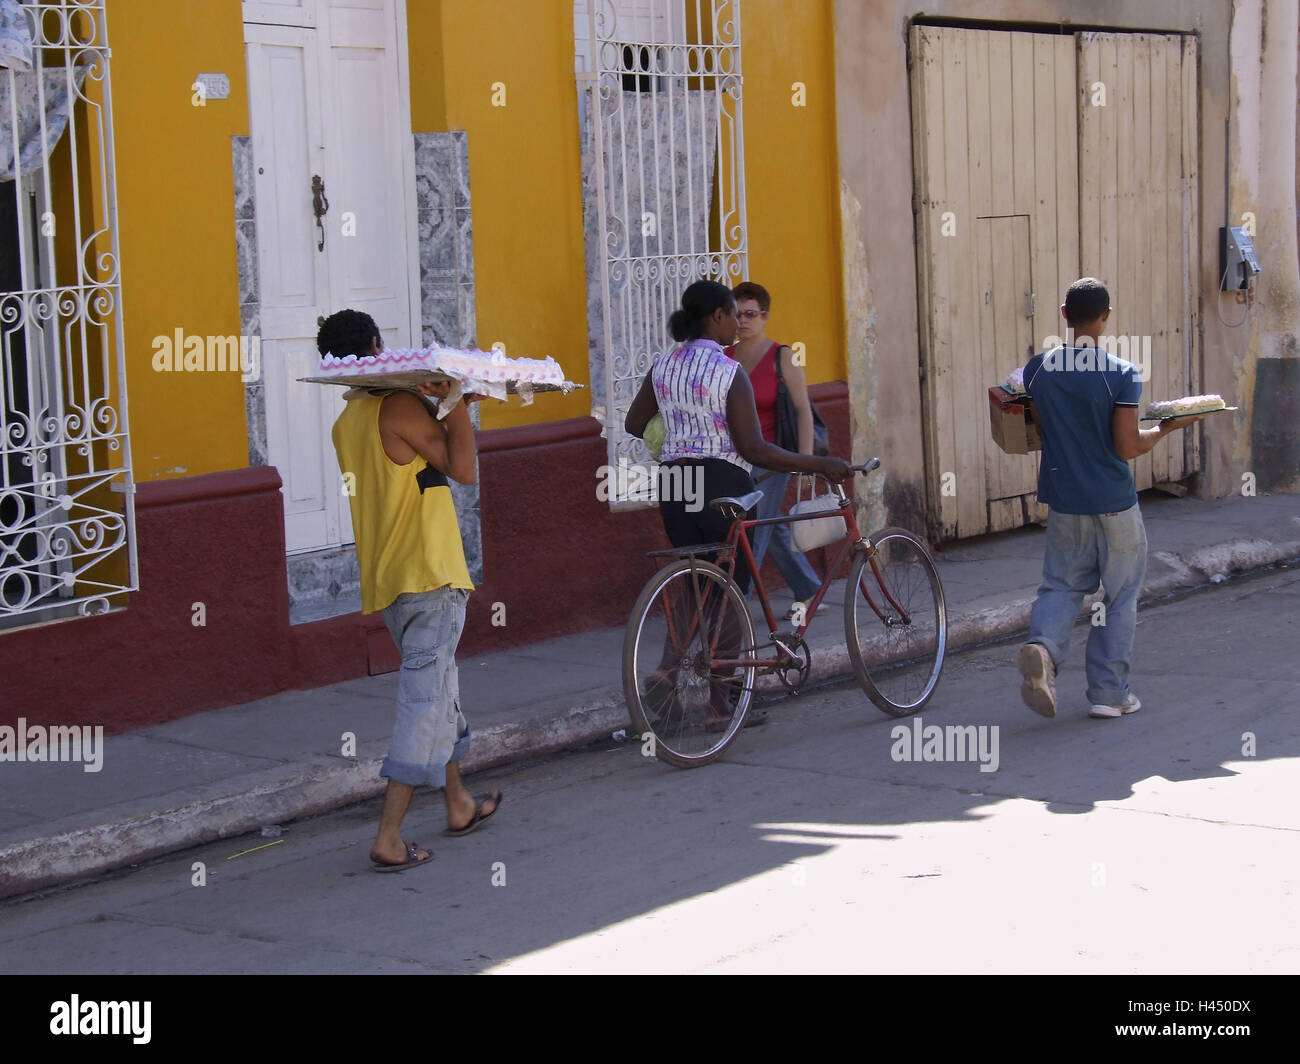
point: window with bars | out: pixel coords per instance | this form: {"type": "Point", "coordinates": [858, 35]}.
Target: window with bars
{"type": "Point", "coordinates": [67, 544]}
{"type": "Point", "coordinates": [663, 183]}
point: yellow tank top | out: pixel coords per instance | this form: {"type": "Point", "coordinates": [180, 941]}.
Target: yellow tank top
{"type": "Point", "coordinates": [403, 516]}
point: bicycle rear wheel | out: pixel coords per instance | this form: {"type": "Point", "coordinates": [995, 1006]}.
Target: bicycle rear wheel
{"type": "Point", "coordinates": [897, 647]}
{"type": "Point", "coordinates": [685, 621]}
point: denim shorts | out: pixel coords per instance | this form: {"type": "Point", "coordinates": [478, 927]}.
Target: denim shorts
{"type": "Point", "coordinates": [430, 730]}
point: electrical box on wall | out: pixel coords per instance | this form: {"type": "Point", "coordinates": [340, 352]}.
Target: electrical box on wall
{"type": "Point", "coordinates": [1237, 262]}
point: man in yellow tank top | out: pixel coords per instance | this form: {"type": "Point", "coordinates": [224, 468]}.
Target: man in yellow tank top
{"type": "Point", "coordinates": [395, 457]}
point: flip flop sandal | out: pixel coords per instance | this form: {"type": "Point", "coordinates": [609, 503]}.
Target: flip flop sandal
{"type": "Point", "coordinates": [479, 815]}
{"type": "Point", "coordinates": [412, 860]}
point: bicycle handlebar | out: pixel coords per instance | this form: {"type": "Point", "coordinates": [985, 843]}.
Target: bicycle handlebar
{"type": "Point", "coordinates": [864, 469]}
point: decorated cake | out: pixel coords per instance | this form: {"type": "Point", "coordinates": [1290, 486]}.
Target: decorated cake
{"type": "Point", "coordinates": [1189, 404]}
{"type": "Point", "coordinates": [1015, 382]}
{"type": "Point", "coordinates": [488, 366]}
{"type": "Point", "coordinates": [483, 373]}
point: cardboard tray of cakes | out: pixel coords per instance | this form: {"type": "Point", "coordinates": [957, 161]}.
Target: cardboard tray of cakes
{"type": "Point", "coordinates": [484, 372]}
{"type": "Point", "coordinates": [1012, 425]}
{"type": "Point", "coordinates": [1187, 406]}
{"type": "Point", "coordinates": [1010, 422]}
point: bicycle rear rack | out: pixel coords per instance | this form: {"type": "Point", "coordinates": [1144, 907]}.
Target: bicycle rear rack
{"type": "Point", "coordinates": [688, 552]}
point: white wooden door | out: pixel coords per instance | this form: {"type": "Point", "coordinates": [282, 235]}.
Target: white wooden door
{"type": "Point", "coordinates": [1006, 340]}
{"type": "Point", "coordinates": [1041, 158]}
{"type": "Point", "coordinates": [1138, 214]}
{"type": "Point", "coordinates": [327, 101]}
{"type": "Point", "coordinates": [371, 266]}
{"type": "Point", "coordinates": [996, 160]}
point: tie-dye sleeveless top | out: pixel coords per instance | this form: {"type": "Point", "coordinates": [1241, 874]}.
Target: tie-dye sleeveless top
{"type": "Point", "coordinates": [691, 385]}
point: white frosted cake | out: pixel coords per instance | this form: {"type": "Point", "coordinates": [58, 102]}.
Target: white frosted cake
{"type": "Point", "coordinates": [1015, 382]}
{"type": "Point", "coordinates": [490, 366]}
{"type": "Point", "coordinates": [1189, 404]}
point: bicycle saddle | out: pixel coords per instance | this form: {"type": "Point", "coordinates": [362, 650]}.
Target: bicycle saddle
{"type": "Point", "coordinates": [741, 505]}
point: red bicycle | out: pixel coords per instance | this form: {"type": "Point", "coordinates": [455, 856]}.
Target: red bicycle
{"type": "Point", "coordinates": [690, 656]}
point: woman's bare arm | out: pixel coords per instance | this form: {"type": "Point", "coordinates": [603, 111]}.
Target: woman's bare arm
{"type": "Point", "coordinates": [643, 408]}
{"type": "Point", "coordinates": [742, 421]}
{"type": "Point", "coordinates": [797, 385]}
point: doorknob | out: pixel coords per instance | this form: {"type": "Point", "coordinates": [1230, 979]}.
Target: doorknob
{"type": "Point", "coordinates": [319, 205]}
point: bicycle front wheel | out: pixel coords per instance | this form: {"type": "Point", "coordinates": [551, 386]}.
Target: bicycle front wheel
{"type": "Point", "coordinates": [683, 696]}
{"type": "Point", "coordinates": [896, 622]}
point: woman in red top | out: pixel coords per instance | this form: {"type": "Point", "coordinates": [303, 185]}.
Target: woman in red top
{"type": "Point", "coordinates": [757, 355]}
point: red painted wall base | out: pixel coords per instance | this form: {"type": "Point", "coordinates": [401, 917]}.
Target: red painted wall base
{"type": "Point", "coordinates": [555, 557]}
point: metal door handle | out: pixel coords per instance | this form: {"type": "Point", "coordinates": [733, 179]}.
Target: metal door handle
{"type": "Point", "coordinates": [319, 205]}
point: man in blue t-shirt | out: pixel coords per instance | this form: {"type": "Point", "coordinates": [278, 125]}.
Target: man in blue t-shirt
{"type": "Point", "coordinates": [1085, 401]}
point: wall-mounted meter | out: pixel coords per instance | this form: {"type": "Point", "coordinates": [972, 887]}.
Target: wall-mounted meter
{"type": "Point", "coordinates": [1237, 261]}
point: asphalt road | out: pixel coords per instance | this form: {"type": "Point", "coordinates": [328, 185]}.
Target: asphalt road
{"type": "Point", "coordinates": [1166, 841]}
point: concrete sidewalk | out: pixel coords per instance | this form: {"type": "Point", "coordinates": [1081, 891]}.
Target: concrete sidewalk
{"type": "Point", "coordinates": [229, 771]}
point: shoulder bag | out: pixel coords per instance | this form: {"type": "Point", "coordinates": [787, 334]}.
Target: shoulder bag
{"type": "Point", "coordinates": [787, 418]}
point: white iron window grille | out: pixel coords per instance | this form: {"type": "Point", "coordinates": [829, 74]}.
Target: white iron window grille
{"type": "Point", "coordinates": [664, 187]}
{"type": "Point", "coordinates": [67, 524]}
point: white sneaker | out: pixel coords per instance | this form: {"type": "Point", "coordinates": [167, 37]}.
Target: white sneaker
{"type": "Point", "coordinates": [1129, 705]}
{"type": "Point", "coordinates": [802, 608]}
{"type": "Point", "coordinates": [1039, 688]}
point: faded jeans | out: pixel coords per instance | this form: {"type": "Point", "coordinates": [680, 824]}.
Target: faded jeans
{"type": "Point", "coordinates": [430, 731]}
{"type": "Point", "coordinates": [1082, 551]}
{"type": "Point", "coordinates": [792, 564]}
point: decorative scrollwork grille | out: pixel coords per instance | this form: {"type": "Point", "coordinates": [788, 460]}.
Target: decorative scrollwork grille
{"type": "Point", "coordinates": [67, 535]}
{"type": "Point", "coordinates": [664, 187]}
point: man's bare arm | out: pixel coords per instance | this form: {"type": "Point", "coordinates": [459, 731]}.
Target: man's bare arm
{"type": "Point", "coordinates": [1132, 442]}
{"type": "Point", "coordinates": [447, 445]}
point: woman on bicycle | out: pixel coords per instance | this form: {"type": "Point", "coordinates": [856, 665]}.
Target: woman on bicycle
{"type": "Point", "coordinates": [710, 422]}
{"type": "Point", "coordinates": [710, 419]}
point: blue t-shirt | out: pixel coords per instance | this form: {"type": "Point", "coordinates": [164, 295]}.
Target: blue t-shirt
{"type": "Point", "coordinates": [1076, 390]}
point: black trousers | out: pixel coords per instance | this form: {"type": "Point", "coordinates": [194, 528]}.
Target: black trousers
{"type": "Point", "coordinates": [687, 523]}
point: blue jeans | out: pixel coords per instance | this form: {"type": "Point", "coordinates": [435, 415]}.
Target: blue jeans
{"type": "Point", "coordinates": [792, 564]}
{"type": "Point", "coordinates": [430, 731]}
{"type": "Point", "coordinates": [1082, 551]}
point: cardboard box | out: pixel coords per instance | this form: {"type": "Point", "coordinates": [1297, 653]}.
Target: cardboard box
{"type": "Point", "coordinates": [1012, 428]}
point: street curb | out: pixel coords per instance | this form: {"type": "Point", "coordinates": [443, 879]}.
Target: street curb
{"type": "Point", "coordinates": [327, 783]}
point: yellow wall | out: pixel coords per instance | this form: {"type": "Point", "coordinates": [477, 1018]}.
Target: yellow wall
{"type": "Point", "coordinates": [525, 177]}
{"type": "Point", "coordinates": [175, 195]}
{"type": "Point", "coordinates": [526, 180]}
{"type": "Point", "coordinates": [791, 168]}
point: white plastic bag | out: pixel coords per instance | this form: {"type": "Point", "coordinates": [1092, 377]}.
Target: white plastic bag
{"type": "Point", "coordinates": [810, 535]}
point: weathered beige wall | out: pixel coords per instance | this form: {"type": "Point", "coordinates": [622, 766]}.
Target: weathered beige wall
{"type": "Point", "coordinates": [1263, 43]}
{"type": "Point", "coordinates": [875, 149]}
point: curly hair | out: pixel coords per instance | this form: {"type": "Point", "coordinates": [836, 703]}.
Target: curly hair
{"type": "Point", "coordinates": [347, 332]}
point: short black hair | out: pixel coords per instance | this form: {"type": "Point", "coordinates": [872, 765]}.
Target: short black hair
{"type": "Point", "coordinates": [1085, 301]}
{"type": "Point", "coordinates": [699, 301]}
{"type": "Point", "coordinates": [347, 332]}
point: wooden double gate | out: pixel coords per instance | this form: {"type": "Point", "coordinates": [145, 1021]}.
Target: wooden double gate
{"type": "Point", "coordinates": [1041, 158]}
